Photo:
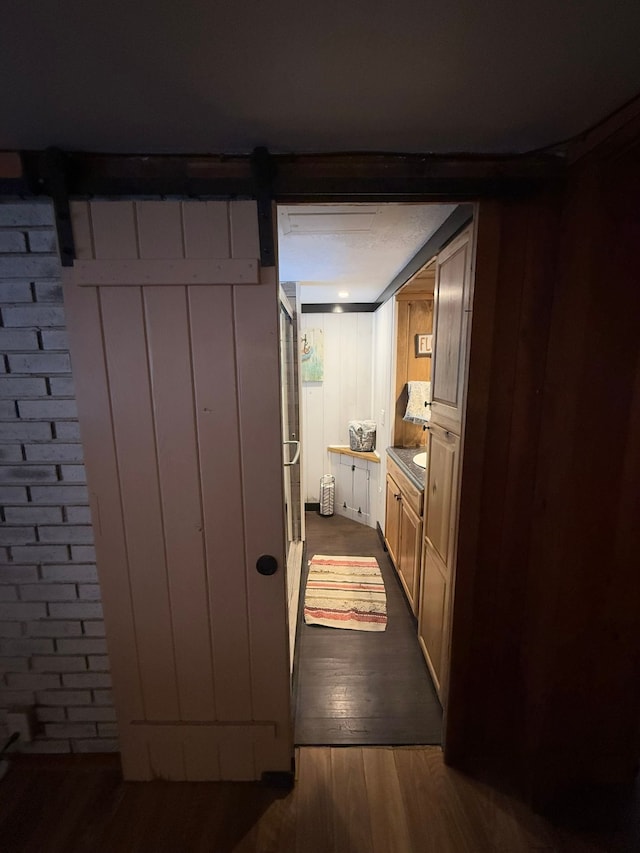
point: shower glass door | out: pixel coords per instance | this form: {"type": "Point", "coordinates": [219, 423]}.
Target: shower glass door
{"type": "Point", "coordinates": [290, 436]}
{"type": "Point", "coordinates": [291, 456]}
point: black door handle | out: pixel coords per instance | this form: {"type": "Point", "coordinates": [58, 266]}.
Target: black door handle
{"type": "Point", "coordinates": [267, 565]}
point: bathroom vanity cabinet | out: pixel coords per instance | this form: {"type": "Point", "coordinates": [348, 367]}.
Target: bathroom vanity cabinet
{"type": "Point", "coordinates": [403, 529]}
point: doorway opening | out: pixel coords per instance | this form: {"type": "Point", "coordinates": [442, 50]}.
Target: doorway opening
{"type": "Point", "coordinates": [361, 278]}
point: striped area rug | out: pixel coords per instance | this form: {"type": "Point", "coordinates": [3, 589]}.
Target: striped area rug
{"type": "Point", "coordinates": [345, 592]}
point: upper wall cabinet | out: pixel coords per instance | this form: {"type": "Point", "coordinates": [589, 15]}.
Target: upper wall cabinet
{"type": "Point", "coordinates": [452, 301]}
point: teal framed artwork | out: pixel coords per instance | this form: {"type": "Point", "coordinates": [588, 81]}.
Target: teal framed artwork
{"type": "Point", "coordinates": [312, 355]}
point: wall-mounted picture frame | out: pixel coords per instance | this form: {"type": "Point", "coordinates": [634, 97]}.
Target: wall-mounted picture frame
{"type": "Point", "coordinates": [312, 355]}
{"type": "Point", "coordinates": [423, 346]}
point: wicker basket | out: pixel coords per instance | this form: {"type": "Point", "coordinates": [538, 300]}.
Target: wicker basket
{"type": "Point", "coordinates": [362, 436]}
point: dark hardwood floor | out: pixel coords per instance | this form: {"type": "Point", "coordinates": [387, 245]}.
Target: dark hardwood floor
{"type": "Point", "coordinates": [357, 687]}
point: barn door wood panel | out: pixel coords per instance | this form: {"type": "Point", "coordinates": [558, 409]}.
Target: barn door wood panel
{"type": "Point", "coordinates": [174, 336]}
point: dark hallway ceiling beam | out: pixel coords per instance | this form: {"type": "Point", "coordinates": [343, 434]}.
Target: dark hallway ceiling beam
{"type": "Point", "coordinates": [325, 177]}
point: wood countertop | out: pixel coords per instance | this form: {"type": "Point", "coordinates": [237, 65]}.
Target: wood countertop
{"type": "Point", "coordinates": [345, 450]}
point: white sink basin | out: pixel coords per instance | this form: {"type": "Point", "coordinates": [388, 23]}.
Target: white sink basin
{"type": "Point", "coordinates": [421, 459]}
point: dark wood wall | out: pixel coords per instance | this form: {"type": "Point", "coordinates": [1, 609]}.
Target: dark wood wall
{"type": "Point", "coordinates": [515, 262]}
{"type": "Point", "coordinates": [585, 560]}
{"type": "Point", "coordinates": [544, 690]}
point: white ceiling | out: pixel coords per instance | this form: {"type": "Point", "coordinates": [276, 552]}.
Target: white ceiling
{"type": "Point", "coordinates": [294, 75]}
{"type": "Point", "coordinates": [358, 249]}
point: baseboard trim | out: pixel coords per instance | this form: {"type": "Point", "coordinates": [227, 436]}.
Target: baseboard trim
{"type": "Point", "coordinates": [381, 535]}
{"type": "Point", "coordinates": [284, 779]}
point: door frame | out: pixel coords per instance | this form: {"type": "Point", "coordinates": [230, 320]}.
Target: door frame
{"type": "Point", "coordinates": [456, 223]}
{"type": "Point", "coordinates": [384, 199]}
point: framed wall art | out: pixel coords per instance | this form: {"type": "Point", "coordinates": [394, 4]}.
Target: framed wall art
{"type": "Point", "coordinates": [423, 346]}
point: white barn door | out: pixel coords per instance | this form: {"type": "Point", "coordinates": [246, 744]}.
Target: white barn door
{"type": "Point", "coordinates": [174, 341]}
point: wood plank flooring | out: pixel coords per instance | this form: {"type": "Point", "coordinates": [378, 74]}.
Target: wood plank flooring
{"type": "Point", "coordinates": [357, 687]}
{"type": "Point", "coordinates": [346, 800]}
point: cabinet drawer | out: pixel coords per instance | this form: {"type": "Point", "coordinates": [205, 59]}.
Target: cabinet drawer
{"type": "Point", "coordinates": [410, 492]}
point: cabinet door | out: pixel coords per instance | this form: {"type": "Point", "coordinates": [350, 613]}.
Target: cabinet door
{"type": "Point", "coordinates": [352, 489]}
{"type": "Point", "coordinates": [360, 493]}
{"type": "Point", "coordinates": [344, 487]}
{"type": "Point", "coordinates": [409, 558]}
{"type": "Point", "coordinates": [452, 307]}
{"type": "Point", "coordinates": [433, 616]}
{"type": "Point", "coordinates": [441, 491]}
{"type": "Point", "coordinates": [392, 519]}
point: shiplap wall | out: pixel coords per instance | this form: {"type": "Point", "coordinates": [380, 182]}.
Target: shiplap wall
{"type": "Point", "coordinates": [345, 393]}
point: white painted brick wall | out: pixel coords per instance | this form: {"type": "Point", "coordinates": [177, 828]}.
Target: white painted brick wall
{"type": "Point", "coordinates": [52, 649]}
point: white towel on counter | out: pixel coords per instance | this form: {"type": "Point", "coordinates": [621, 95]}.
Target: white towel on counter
{"type": "Point", "coordinates": [419, 405]}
